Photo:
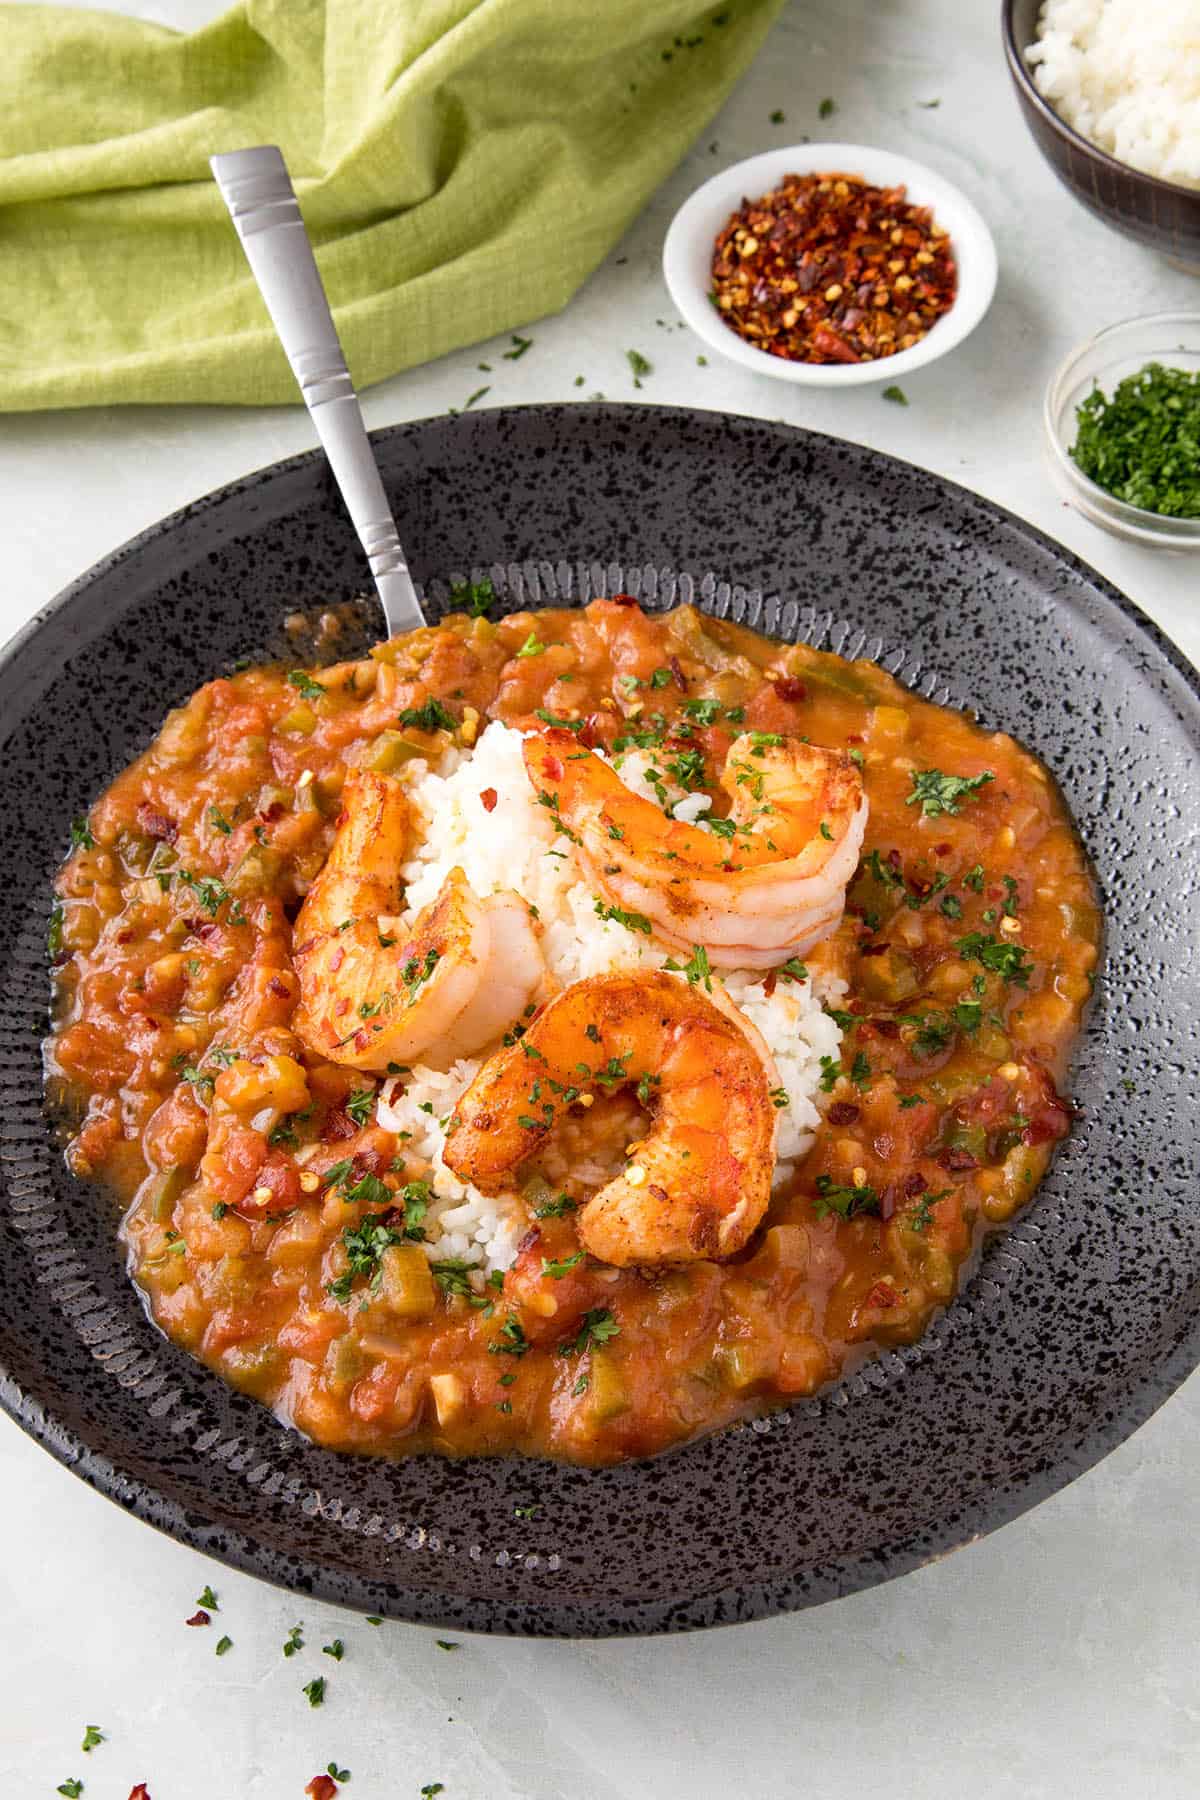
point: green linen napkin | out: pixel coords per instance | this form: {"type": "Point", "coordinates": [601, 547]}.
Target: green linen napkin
{"type": "Point", "coordinates": [462, 165]}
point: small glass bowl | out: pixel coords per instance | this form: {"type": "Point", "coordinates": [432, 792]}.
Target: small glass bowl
{"type": "Point", "coordinates": [1170, 338]}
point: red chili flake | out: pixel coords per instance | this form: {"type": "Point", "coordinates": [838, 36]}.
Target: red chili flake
{"type": "Point", "coordinates": [157, 824]}
{"type": "Point", "coordinates": [887, 1028]}
{"type": "Point", "coordinates": [942, 849]}
{"type": "Point", "coordinates": [532, 1236]}
{"type": "Point", "coordinates": [883, 1295]}
{"type": "Point", "coordinates": [872, 949]}
{"type": "Point", "coordinates": [843, 1112]}
{"type": "Point", "coordinates": [554, 769]}
{"type": "Point", "coordinates": [789, 688]}
{"type": "Point", "coordinates": [199, 1618]}
{"type": "Point", "coordinates": [828, 269]}
{"type": "Point", "coordinates": [956, 1162]}
{"type": "Point", "coordinates": [321, 1787]}
{"type": "Point", "coordinates": [676, 668]}
{"type": "Point", "coordinates": [489, 797]}
{"type": "Point", "coordinates": [622, 600]}
{"type": "Point", "coordinates": [279, 988]}
{"type": "Point", "coordinates": [915, 1184]}
{"type": "Point", "coordinates": [338, 1124]}
{"type": "Point", "coordinates": [142, 1792]}
{"type": "Point", "coordinates": [771, 982]}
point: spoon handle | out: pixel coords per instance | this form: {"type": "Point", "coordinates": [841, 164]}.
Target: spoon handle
{"type": "Point", "coordinates": [257, 189]}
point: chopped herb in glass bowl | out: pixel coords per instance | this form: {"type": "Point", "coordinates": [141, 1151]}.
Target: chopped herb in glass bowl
{"type": "Point", "coordinates": [1122, 422]}
{"type": "Point", "coordinates": [1142, 444]}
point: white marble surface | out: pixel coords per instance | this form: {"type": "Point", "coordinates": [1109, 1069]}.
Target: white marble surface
{"type": "Point", "coordinates": [1058, 1657]}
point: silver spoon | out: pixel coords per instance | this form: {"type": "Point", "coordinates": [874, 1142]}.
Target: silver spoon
{"type": "Point", "coordinates": [257, 189]}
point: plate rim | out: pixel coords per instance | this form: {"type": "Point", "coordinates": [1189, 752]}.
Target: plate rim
{"type": "Point", "coordinates": [986, 1511]}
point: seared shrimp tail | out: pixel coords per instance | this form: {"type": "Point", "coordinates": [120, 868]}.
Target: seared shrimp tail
{"type": "Point", "coordinates": [768, 884]}
{"type": "Point", "coordinates": [698, 1183]}
{"type": "Point", "coordinates": [373, 993]}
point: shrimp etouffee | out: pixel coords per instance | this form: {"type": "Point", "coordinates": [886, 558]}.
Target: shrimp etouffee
{"type": "Point", "coordinates": [242, 987]}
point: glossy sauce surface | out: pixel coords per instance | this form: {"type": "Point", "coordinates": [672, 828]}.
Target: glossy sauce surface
{"type": "Point", "coordinates": [249, 1175]}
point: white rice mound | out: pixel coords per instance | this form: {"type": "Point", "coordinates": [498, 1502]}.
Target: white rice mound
{"type": "Point", "coordinates": [516, 846]}
{"type": "Point", "coordinates": [1126, 75]}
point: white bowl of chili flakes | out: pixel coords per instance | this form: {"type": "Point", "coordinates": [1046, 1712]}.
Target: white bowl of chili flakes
{"type": "Point", "coordinates": [780, 313]}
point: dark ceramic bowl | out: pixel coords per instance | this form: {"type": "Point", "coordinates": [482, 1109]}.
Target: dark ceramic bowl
{"type": "Point", "coordinates": [1078, 1321]}
{"type": "Point", "coordinates": [1160, 214]}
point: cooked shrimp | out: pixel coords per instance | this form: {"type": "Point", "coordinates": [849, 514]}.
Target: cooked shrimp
{"type": "Point", "coordinates": [373, 993]}
{"type": "Point", "coordinates": [766, 885]}
{"type": "Point", "coordinates": [698, 1183]}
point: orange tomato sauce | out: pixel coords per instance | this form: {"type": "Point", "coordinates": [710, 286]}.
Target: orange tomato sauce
{"type": "Point", "coordinates": [249, 1172]}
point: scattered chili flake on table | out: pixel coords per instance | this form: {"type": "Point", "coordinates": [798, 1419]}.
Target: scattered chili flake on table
{"type": "Point", "coordinates": [827, 269]}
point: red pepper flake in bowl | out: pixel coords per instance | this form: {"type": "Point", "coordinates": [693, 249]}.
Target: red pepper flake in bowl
{"type": "Point", "coordinates": [827, 269]}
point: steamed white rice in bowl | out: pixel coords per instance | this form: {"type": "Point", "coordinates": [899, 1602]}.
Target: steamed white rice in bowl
{"type": "Point", "coordinates": [1125, 74]}
{"type": "Point", "coordinates": [514, 845]}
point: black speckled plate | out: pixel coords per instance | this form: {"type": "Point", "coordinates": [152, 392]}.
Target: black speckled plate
{"type": "Point", "coordinates": [1081, 1318]}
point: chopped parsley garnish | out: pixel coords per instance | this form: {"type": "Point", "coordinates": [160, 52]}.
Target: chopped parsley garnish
{"type": "Point", "coordinates": [939, 793]}
{"type": "Point", "coordinates": [520, 346]}
{"type": "Point", "coordinates": [827, 109]}
{"type": "Point", "coordinates": [72, 1787]}
{"type": "Point", "coordinates": [417, 971]}
{"type": "Point", "coordinates": [933, 1033]}
{"type": "Point", "coordinates": [81, 835]}
{"type": "Point", "coordinates": [92, 1735]}
{"type": "Point", "coordinates": [639, 364]}
{"type": "Point", "coordinates": [556, 1208]}
{"type": "Point", "coordinates": [846, 1202]}
{"type": "Point", "coordinates": [431, 1789]}
{"type": "Point", "coordinates": [687, 769]}
{"type": "Point", "coordinates": [706, 711]}
{"type": "Point", "coordinates": [697, 967]}
{"type": "Point", "coordinates": [222, 1645]}
{"type": "Point", "coordinates": [907, 1100]}
{"type": "Point", "coordinates": [293, 1641]}
{"type": "Point", "coordinates": [304, 684]}
{"type": "Point", "coordinates": [315, 1690]}
{"type": "Point", "coordinates": [860, 1071]}
{"type": "Point", "coordinates": [364, 1244]}
{"type": "Point", "coordinates": [447, 1644]}
{"type": "Point", "coordinates": [831, 1070]}
{"type": "Point", "coordinates": [549, 718]}
{"type": "Point", "coordinates": [793, 969]}
{"type": "Point", "coordinates": [632, 921]}
{"type": "Point", "coordinates": [614, 1072]}
{"type": "Point", "coordinates": [968, 1015]}
{"type": "Point", "coordinates": [564, 1265]}
{"type": "Point", "coordinates": [208, 1600]}
{"type": "Point", "coordinates": [950, 906]}
{"type": "Point", "coordinates": [453, 1276]}
{"type": "Point", "coordinates": [825, 832]}
{"type": "Point", "coordinates": [212, 895]}
{"type": "Point", "coordinates": [431, 716]}
{"type": "Point", "coordinates": [360, 1106]}
{"type": "Point", "coordinates": [512, 1340]}
{"type": "Point", "coordinates": [974, 879]}
{"type": "Point", "coordinates": [896, 394]}
{"type": "Point", "coordinates": [661, 678]}
{"type": "Point", "coordinates": [54, 933]}
{"type": "Point", "coordinates": [779, 1097]}
{"type": "Point", "coordinates": [473, 597]}
{"type": "Point", "coordinates": [219, 822]}
{"type": "Point", "coordinates": [1011, 961]}
{"type": "Point", "coordinates": [337, 1649]}
{"type": "Point", "coordinates": [337, 1774]}
{"type": "Point", "coordinates": [845, 1020]}
{"type": "Point", "coordinates": [531, 646]}
{"type": "Point", "coordinates": [597, 1327]}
